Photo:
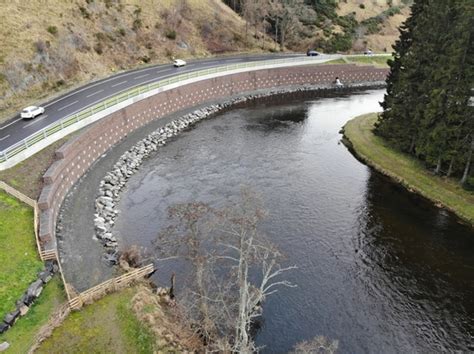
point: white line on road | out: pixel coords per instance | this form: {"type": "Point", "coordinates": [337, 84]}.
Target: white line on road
{"type": "Point", "coordinates": [95, 93]}
{"type": "Point", "coordinates": [162, 71]}
{"type": "Point", "coordinates": [16, 120]}
{"type": "Point", "coordinates": [35, 121]}
{"type": "Point", "coordinates": [139, 77]}
{"type": "Point", "coordinates": [5, 137]}
{"type": "Point", "coordinates": [118, 83]}
{"type": "Point", "coordinates": [66, 106]}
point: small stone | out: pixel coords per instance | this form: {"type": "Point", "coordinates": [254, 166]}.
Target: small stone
{"type": "Point", "coordinates": [23, 310]}
{"type": "Point", "coordinates": [35, 288]}
{"type": "Point", "coordinates": [4, 346]}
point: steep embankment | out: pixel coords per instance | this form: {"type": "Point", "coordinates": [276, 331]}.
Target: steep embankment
{"type": "Point", "coordinates": [48, 46]}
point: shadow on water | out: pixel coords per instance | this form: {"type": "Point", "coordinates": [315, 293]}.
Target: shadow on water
{"type": "Point", "coordinates": [425, 257]}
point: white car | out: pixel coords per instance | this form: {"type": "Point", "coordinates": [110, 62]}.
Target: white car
{"type": "Point", "coordinates": [179, 62]}
{"type": "Point", "coordinates": [31, 112]}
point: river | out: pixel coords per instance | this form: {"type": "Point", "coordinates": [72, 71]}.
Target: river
{"type": "Point", "coordinates": [379, 269]}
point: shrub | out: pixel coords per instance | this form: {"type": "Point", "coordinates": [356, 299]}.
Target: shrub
{"type": "Point", "coordinates": [362, 6]}
{"type": "Point", "coordinates": [52, 29]}
{"type": "Point", "coordinates": [99, 49]}
{"type": "Point", "coordinates": [137, 23]}
{"type": "Point", "coordinates": [122, 32]}
{"type": "Point", "coordinates": [137, 11]}
{"type": "Point", "coordinates": [338, 43]}
{"type": "Point", "coordinates": [170, 34]}
{"type": "Point", "coordinates": [84, 12]}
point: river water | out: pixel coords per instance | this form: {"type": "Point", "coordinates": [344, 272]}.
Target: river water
{"type": "Point", "coordinates": [379, 269]}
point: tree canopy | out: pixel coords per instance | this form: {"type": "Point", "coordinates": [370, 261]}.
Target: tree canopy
{"type": "Point", "coordinates": [426, 110]}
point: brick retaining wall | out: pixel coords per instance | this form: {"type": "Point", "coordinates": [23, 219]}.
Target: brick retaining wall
{"type": "Point", "coordinates": [77, 155]}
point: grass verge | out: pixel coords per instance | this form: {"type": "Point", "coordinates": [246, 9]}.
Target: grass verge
{"type": "Point", "coordinates": [106, 326]}
{"type": "Point", "coordinates": [27, 175]}
{"type": "Point", "coordinates": [378, 61]}
{"type": "Point", "coordinates": [406, 170]}
{"type": "Point", "coordinates": [21, 335]}
{"type": "Point", "coordinates": [20, 261]}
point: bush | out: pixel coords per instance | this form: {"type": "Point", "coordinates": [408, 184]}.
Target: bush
{"type": "Point", "coordinates": [338, 43]}
{"type": "Point", "coordinates": [99, 49]}
{"type": "Point", "coordinates": [122, 32]}
{"type": "Point", "coordinates": [137, 24]}
{"type": "Point", "coordinates": [170, 34]}
{"type": "Point", "coordinates": [84, 12]}
{"type": "Point", "coordinates": [362, 6]}
{"type": "Point", "coordinates": [52, 29]}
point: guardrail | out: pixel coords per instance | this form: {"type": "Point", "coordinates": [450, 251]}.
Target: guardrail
{"type": "Point", "coordinates": [134, 92]}
{"type": "Point", "coordinates": [55, 127]}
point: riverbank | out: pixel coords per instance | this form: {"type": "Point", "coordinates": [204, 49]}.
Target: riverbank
{"type": "Point", "coordinates": [409, 172]}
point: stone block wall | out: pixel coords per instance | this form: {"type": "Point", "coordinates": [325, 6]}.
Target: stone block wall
{"type": "Point", "coordinates": [76, 156]}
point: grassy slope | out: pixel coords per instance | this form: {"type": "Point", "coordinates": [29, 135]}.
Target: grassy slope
{"type": "Point", "coordinates": [406, 170]}
{"type": "Point", "coordinates": [69, 52]}
{"type": "Point", "coordinates": [107, 326]}
{"type": "Point", "coordinates": [27, 175]}
{"type": "Point", "coordinates": [18, 252]}
{"type": "Point", "coordinates": [21, 336]}
{"type": "Point", "coordinates": [382, 41]}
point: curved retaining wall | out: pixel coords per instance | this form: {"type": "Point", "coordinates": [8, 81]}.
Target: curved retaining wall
{"type": "Point", "coordinates": [76, 156]}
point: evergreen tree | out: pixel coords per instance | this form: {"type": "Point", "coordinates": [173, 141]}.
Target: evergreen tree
{"type": "Point", "coordinates": [426, 107]}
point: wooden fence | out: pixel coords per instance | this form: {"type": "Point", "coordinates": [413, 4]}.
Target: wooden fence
{"type": "Point", "coordinates": [44, 255]}
{"type": "Point", "coordinates": [108, 286]}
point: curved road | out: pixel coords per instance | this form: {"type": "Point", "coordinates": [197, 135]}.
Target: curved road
{"type": "Point", "coordinates": [17, 129]}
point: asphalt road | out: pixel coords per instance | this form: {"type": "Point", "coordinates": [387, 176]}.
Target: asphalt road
{"type": "Point", "coordinates": [17, 129]}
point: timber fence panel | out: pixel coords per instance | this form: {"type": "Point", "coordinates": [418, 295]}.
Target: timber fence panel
{"type": "Point", "coordinates": [110, 285]}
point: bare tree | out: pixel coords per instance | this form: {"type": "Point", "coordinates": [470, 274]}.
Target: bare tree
{"type": "Point", "coordinates": [317, 345]}
{"type": "Point", "coordinates": [227, 253]}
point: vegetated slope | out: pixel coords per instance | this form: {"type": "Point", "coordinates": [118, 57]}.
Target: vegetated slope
{"type": "Point", "coordinates": [48, 45]}
{"type": "Point", "coordinates": [379, 21]}
{"type": "Point", "coordinates": [327, 25]}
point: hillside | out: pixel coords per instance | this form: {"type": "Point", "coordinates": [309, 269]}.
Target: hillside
{"type": "Point", "coordinates": [327, 25]}
{"type": "Point", "coordinates": [381, 17]}
{"type": "Point", "coordinates": [48, 46]}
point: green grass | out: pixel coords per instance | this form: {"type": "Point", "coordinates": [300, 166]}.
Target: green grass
{"type": "Point", "coordinates": [21, 335]}
{"type": "Point", "coordinates": [406, 170]}
{"type": "Point", "coordinates": [380, 61]}
{"type": "Point", "coordinates": [106, 326]}
{"type": "Point", "coordinates": [20, 262]}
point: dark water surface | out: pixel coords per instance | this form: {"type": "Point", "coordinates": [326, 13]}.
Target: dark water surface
{"type": "Point", "coordinates": [379, 269]}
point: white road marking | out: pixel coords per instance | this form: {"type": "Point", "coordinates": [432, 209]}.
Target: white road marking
{"type": "Point", "coordinates": [162, 71]}
{"type": "Point", "coordinates": [139, 77]}
{"type": "Point", "coordinates": [16, 120]}
{"type": "Point", "coordinates": [118, 83]}
{"type": "Point", "coordinates": [5, 137]}
{"type": "Point", "coordinates": [95, 93]}
{"type": "Point", "coordinates": [66, 106]}
{"type": "Point", "coordinates": [93, 85]}
{"type": "Point", "coordinates": [35, 121]}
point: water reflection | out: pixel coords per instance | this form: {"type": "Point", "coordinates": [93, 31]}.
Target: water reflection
{"type": "Point", "coordinates": [426, 260]}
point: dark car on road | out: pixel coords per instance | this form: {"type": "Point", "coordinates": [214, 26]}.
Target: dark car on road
{"type": "Point", "coordinates": [312, 53]}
